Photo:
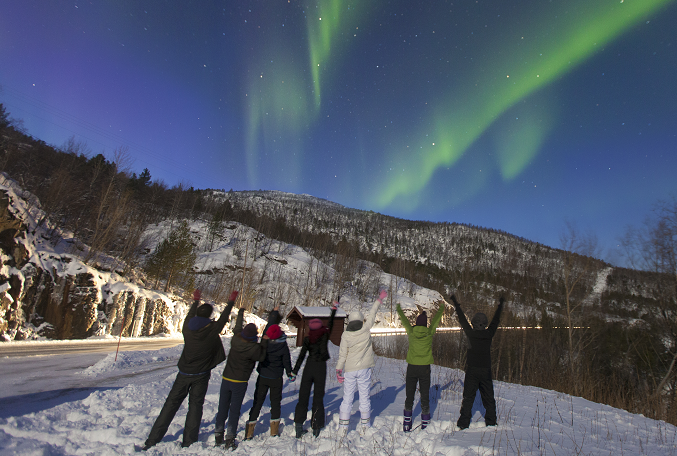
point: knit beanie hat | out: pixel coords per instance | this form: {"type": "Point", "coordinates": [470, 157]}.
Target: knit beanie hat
{"type": "Point", "coordinates": [479, 321]}
{"type": "Point", "coordinates": [422, 320]}
{"type": "Point", "coordinates": [315, 323]}
{"type": "Point", "coordinates": [205, 310]}
{"type": "Point", "coordinates": [355, 315]}
{"type": "Point", "coordinates": [274, 332]}
{"type": "Point", "coordinates": [250, 332]}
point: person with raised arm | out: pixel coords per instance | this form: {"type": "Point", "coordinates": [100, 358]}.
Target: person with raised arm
{"type": "Point", "coordinates": [314, 374]}
{"type": "Point", "coordinates": [478, 363]}
{"type": "Point", "coordinates": [356, 360]}
{"type": "Point", "coordinates": [419, 359]}
{"type": "Point", "coordinates": [202, 351]}
{"type": "Point", "coordinates": [245, 351]}
{"type": "Point", "coordinates": [270, 372]}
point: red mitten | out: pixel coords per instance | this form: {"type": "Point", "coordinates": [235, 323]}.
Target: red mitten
{"type": "Point", "coordinates": [382, 295]}
{"type": "Point", "coordinates": [196, 295]}
{"type": "Point", "coordinates": [233, 296]}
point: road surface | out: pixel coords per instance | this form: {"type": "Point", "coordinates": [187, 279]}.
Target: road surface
{"type": "Point", "coordinates": [30, 348]}
{"type": "Point", "coordinates": [30, 369]}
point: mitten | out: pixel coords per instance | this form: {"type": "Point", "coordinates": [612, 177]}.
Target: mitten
{"type": "Point", "coordinates": [196, 295]}
{"type": "Point", "coordinates": [339, 375]}
{"type": "Point", "coordinates": [292, 377]}
{"type": "Point", "coordinates": [501, 300]}
{"type": "Point", "coordinates": [233, 296]}
{"type": "Point", "coordinates": [335, 306]}
{"type": "Point", "coordinates": [382, 295]}
{"type": "Point", "coordinates": [453, 299]}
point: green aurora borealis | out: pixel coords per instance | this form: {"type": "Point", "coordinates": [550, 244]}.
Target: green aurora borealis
{"type": "Point", "coordinates": [510, 115]}
{"type": "Point", "coordinates": [539, 48]}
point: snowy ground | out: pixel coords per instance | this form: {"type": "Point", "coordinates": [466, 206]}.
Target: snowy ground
{"type": "Point", "coordinates": [113, 410]}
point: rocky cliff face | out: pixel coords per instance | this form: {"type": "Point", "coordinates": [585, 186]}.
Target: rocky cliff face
{"type": "Point", "coordinates": [44, 292]}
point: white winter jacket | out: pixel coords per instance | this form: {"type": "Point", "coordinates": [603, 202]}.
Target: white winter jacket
{"type": "Point", "coordinates": [355, 351]}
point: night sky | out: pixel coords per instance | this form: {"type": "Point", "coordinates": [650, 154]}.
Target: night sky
{"type": "Point", "coordinates": [514, 115]}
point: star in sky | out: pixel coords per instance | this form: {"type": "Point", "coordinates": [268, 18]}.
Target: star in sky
{"type": "Point", "coordinates": [568, 109]}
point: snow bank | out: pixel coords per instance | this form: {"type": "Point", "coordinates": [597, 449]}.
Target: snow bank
{"type": "Point", "coordinates": [130, 360]}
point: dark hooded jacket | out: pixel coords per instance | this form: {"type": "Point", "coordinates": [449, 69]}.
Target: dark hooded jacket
{"type": "Point", "coordinates": [277, 359]}
{"type": "Point", "coordinates": [479, 353]}
{"type": "Point", "coordinates": [316, 347]}
{"type": "Point", "coordinates": [202, 350]}
{"type": "Point", "coordinates": [243, 354]}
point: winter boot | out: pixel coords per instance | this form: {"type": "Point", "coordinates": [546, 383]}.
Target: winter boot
{"type": "Point", "coordinates": [425, 420]}
{"type": "Point", "coordinates": [406, 425]}
{"type": "Point", "coordinates": [218, 438]}
{"type": "Point", "coordinates": [249, 430]}
{"type": "Point", "coordinates": [365, 424]}
{"type": "Point", "coordinates": [229, 443]}
{"type": "Point", "coordinates": [343, 427]}
{"type": "Point", "coordinates": [275, 427]}
{"type": "Point", "coordinates": [300, 431]}
{"type": "Point", "coordinates": [316, 432]}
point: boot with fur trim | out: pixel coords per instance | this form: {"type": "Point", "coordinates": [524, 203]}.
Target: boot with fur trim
{"type": "Point", "coordinates": [249, 430]}
{"type": "Point", "coordinates": [275, 427]}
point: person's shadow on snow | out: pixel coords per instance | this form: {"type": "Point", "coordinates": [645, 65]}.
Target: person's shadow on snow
{"type": "Point", "coordinates": [332, 399]}
{"type": "Point", "coordinates": [378, 404]}
{"type": "Point", "coordinates": [477, 405]}
{"type": "Point", "coordinates": [38, 402]}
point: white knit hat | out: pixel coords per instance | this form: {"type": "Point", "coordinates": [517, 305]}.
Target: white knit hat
{"type": "Point", "coordinates": [355, 315]}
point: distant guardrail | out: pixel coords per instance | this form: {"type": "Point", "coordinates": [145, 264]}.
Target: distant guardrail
{"type": "Point", "coordinates": [402, 331]}
{"type": "Point", "coordinates": [396, 331]}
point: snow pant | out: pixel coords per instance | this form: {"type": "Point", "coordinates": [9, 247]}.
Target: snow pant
{"type": "Point", "coordinates": [315, 373]}
{"type": "Point", "coordinates": [194, 386]}
{"type": "Point", "coordinates": [356, 381]}
{"type": "Point", "coordinates": [230, 403]}
{"type": "Point", "coordinates": [262, 386]}
{"type": "Point", "coordinates": [478, 378]}
{"type": "Point", "coordinates": [418, 374]}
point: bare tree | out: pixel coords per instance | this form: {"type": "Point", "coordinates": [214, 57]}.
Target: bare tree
{"type": "Point", "coordinates": [577, 265]}
{"type": "Point", "coordinates": [653, 247]}
{"type": "Point", "coordinates": [75, 147]}
{"type": "Point", "coordinates": [111, 207]}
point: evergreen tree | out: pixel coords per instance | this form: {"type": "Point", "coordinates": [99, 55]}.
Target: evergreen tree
{"type": "Point", "coordinates": [140, 184]}
{"type": "Point", "coordinates": [215, 229]}
{"type": "Point", "coordinates": [173, 257]}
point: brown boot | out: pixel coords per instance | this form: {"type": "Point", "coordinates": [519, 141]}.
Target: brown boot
{"type": "Point", "coordinates": [249, 430]}
{"type": "Point", "coordinates": [275, 427]}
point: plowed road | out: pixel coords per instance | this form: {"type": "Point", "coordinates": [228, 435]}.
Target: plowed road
{"type": "Point", "coordinates": [12, 349]}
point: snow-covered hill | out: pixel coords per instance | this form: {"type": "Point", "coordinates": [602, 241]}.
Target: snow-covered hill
{"type": "Point", "coordinates": [46, 290]}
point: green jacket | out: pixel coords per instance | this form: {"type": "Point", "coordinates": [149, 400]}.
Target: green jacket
{"type": "Point", "coordinates": [420, 338]}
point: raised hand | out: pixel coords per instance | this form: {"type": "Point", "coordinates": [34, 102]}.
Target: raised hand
{"type": "Point", "coordinates": [233, 296]}
{"type": "Point", "coordinates": [197, 294]}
